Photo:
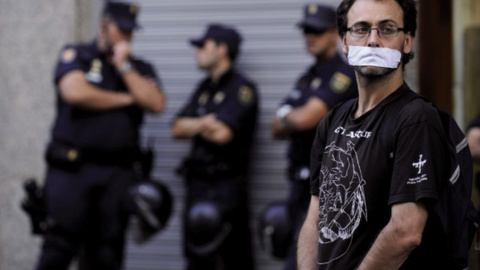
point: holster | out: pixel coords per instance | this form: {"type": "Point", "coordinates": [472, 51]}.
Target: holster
{"type": "Point", "coordinates": [34, 206]}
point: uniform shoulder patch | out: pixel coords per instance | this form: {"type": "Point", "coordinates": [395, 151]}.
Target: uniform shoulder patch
{"type": "Point", "coordinates": [340, 82]}
{"type": "Point", "coordinates": [245, 95]}
{"type": "Point", "coordinates": [203, 98]}
{"type": "Point", "coordinates": [68, 55]}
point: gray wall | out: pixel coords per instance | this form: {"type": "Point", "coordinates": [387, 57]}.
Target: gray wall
{"type": "Point", "coordinates": [32, 32]}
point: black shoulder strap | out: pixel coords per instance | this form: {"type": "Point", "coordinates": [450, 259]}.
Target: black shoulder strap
{"type": "Point", "coordinates": [389, 117]}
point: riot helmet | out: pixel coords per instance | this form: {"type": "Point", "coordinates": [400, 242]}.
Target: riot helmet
{"type": "Point", "coordinates": [206, 228]}
{"type": "Point", "coordinates": [151, 203]}
{"type": "Point", "coordinates": [275, 229]}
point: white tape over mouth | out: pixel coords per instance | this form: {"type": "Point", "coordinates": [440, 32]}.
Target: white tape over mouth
{"type": "Point", "coordinates": [373, 56]}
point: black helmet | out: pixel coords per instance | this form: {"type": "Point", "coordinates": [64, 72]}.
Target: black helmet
{"type": "Point", "coordinates": [151, 203]}
{"type": "Point", "coordinates": [206, 228]}
{"type": "Point", "coordinates": [275, 229]}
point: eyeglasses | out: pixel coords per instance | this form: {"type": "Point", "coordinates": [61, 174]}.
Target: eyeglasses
{"type": "Point", "coordinates": [384, 31]}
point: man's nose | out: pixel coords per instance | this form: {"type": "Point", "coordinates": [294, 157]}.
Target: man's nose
{"type": "Point", "coordinates": [373, 38]}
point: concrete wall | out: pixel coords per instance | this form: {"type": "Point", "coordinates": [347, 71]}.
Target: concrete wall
{"type": "Point", "coordinates": [32, 33]}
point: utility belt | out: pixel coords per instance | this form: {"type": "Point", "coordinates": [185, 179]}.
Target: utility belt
{"type": "Point", "coordinates": [68, 157]}
{"type": "Point", "coordinates": [191, 168]}
{"type": "Point", "coordinates": [299, 173]}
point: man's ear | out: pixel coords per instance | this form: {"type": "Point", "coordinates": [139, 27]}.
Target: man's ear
{"type": "Point", "coordinates": [343, 38]}
{"type": "Point", "coordinates": [408, 43]}
{"type": "Point", "coordinates": [223, 48]}
{"type": "Point", "coordinates": [103, 25]}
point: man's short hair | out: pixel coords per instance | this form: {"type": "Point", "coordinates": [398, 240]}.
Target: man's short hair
{"type": "Point", "coordinates": [409, 8]}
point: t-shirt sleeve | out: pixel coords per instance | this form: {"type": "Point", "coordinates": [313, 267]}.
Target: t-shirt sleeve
{"type": "Point", "coordinates": [420, 158]}
{"type": "Point", "coordinates": [68, 60]}
{"type": "Point", "coordinates": [238, 103]}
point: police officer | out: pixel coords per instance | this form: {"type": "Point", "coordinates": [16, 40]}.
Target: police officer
{"type": "Point", "coordinates": [327, 82]}
{"type": "Point", "coordinates": [220, 119]}
{"type": "Point", "coordinates": [103, 92]}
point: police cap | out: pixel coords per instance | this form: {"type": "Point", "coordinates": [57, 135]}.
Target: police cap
{"type": "Point", "coordinates": [124, 14]}
{"type": "Point", "coordinates": [220, 33]}
{"type": "Point", "coordinates": [319, 17]}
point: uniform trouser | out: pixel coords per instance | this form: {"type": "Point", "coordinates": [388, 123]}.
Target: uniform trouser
{"type": "Point", "coordinates": [298, 202]}
{"type": "Point", "coordinates": [236, 252]}
{"type": "Point", "coordinates": [86, 211]}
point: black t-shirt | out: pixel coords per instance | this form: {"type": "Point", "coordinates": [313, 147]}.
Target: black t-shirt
{"type": "Point", "coordinates": [106, 130]}
{"type": "Point", "coordinates": [332, 81]}
{"type": "Point", "coordinates": [234, 101]}
{"type": "Point", "coordinates": [359, 170]}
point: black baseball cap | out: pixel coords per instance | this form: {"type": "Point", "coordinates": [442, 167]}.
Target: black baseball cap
{"type": "Point", "coordinates": [219, 33]}
{"type": "Point", "coordinates": [319, 17]}
{"type": "Point", "coordinates": [124, 14]}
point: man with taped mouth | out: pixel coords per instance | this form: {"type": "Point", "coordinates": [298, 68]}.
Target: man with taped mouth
{"type": "Point", "coordinates": [372, 189]}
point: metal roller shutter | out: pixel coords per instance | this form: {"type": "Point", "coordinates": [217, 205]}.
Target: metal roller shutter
{"type": "Point", "coordinates": [272, 55]}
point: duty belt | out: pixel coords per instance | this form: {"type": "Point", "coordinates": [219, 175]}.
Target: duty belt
{"type": "Point", "coordinates": [70, 157]}
{"type": "Point", "coordinates": [217, 170]}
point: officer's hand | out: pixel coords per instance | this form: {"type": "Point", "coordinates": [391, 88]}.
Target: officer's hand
{"type": "Point", "coordinates": [121, 53]}
{"type": "Point", "coordinates": [208, 121]}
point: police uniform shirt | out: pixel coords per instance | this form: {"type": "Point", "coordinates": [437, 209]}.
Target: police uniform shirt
{"type": "Point", "coordinates": [234, 101]}
{"type": "Point", "coordinates": [358, 176]}
{"type": "Point", "coordinates": [332, 81]}
{"type": "Point", "coordinates": [113, 129]}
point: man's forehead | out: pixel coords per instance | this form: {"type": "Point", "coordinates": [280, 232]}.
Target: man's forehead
{"type": "Point", "coordinates": [375, 12]}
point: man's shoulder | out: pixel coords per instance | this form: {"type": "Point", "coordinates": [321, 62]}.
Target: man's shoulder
{"type": "Point", "coordinates": [415, 110]}
{"type": "Point", "coordinates": [76, 51]}
{"type": "Point", "coordinates": [239, 80]}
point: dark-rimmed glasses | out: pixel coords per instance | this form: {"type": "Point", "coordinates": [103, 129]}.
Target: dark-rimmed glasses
{"type": "Point", "coordinates": [384, 31]}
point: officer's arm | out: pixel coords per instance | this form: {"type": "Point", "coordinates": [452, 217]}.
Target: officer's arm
{"type": "Point", "coordinates": [302, 118]}
{"type": "Point", "coordinates": [145, 92]}
{"type": "Point", "coordinates": [187, 127]}
{"type": "Point", "coordinates": [307, 249]}
{"type": "Point", "coordinates": [398, 239]}
{"type": "Point", "coordinates": [473, 137]}
{"type": "Point", "coordinates": [77, 91]}
{"type": "Point", "coordinates": [215, 130]}
{"type": "Point", "coordinates": [206, 126]}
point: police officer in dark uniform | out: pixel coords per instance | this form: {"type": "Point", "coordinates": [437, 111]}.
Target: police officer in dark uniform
{"type": "Point", "coordinates": [220, 118]}
{"type": "Point", "coordinates": [327, 82]}
{"type": "Point", "coordinates": [103, 91]}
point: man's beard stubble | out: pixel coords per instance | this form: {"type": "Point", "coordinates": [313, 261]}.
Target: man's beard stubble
{"type": "Point", "coordinates": [376, 74]}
